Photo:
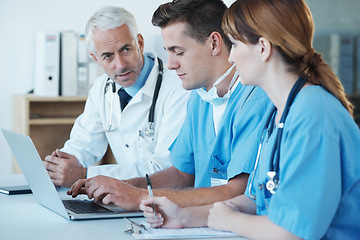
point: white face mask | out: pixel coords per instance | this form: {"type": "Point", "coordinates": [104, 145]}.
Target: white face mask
{"type": "Point", "coordinates": [211, 96]}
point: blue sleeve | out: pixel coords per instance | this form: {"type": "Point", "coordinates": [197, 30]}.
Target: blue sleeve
{"type": "Point", "coordinates": [181, 151]}
{"type": "Point", "coordinates": [88, 141]}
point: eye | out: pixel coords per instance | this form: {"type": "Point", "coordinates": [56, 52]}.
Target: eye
{"type": "Point", "coordinates": [179, 53]}
{"type": "Point", "coordinates": [107, 57]}
{"type": "Point", "coordinates": [125, 50]}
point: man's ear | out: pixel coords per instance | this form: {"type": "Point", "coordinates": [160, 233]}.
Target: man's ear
{"type": "Point", "coordinates": [140, 41]}
{"type": "Point", "coordinates": [94, 57]}
{"type": "Point", "coordinates": [216, 43]}
{"type": "Point", "coordinates": [265, 49]}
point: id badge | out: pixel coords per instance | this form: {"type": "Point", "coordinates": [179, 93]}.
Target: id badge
{"type": "Point", "coordinates": [218, 182]}
{"type": "Point", "coordinates": [218, 178]}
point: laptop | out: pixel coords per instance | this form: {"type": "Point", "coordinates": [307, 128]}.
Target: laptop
{"type": "Point", "coordinates": [44, 190]}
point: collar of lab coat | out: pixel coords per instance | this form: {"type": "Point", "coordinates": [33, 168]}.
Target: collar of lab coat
{"type": "Point", "coordinates": [149, 86]}
{"type": "Point", "coordinates": [148, 89]}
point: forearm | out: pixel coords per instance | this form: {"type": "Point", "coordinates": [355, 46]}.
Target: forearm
{"type": "Point", "coordinates": [195, 196]}
{"type": "Point", "coordinates": [195, 216]}
{"type": "Point", "coordinates": [243, 204]}
{"type": "Point", "coordinates": [169, 178]}
{"type": "Point", "coordinates": [205, 196]}
{"type": "Point", "coordinates": [248, 226]}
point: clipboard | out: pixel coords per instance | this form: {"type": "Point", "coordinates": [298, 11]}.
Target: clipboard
{"type": "Point", "coordinates": [144, 231]}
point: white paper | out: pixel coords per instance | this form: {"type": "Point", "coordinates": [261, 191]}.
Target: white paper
{"type": "Point", "coordinates": [163, 233]}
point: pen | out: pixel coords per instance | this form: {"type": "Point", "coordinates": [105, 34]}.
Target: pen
{"type": "Point", "coordinates": [149, 187]}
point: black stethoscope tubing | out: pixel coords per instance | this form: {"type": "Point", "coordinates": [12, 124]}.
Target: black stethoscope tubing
{"type": "Point", "coordinates": [274, 162]}
{"type": "Point", "coordinates": [156, 92]}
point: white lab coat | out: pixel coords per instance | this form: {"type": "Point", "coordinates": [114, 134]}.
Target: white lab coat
{"type": "Point", "coordinates": [135, 155]}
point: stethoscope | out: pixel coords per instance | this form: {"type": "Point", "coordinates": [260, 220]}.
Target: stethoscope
{"type": "Point", "coordinates": [150, 129]}
{"type": "Point", "coordinates": [273, 181]}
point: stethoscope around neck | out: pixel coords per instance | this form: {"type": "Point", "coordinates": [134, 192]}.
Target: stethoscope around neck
{"type": "Point", "coordinates": [273, 181]}
{"type": "Point", "coordinates": [150, 129]}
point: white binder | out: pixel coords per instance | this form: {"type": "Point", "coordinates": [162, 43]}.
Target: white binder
{"type": "Point", "coordinates": [68, 63]}
{"type": "Point", "coordinates": [82, 74]}
{"type": "Point", "coordinates": [47, 64]}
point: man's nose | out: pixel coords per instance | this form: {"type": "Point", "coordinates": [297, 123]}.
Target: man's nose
{"type": "Point", "coordinates": [119, 62]}
{"type": "Point", "coordinates": [172, 63]}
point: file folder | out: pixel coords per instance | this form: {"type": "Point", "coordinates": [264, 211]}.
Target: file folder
{"type": "Point", "coordinates": [82, 73]}
{"type": "Point", "coordinates": [47, 64]}
{"type": "Point", "coordinates": [68, 63]}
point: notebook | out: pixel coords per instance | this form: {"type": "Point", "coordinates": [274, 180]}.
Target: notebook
{"type": "Point", "coordinates": [44, 190]}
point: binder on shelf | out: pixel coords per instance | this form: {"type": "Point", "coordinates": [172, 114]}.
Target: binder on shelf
{"type": "Point", "coordinates": [338, 51]}
{"type": "Point", "coordinates": [342, 60]}
{"type": "Point", "coordinates": [357, 65]}
{"type": "Point", "coordinates": [94, 71]}
{"type": "Point", "coordinates": [47, 64]}
{"type": "Point", "coordinates": [68, 63]}
{"type": "Point", "coordinates": [82, 73]}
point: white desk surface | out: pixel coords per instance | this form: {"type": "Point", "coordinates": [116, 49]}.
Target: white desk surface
{"type": "Point", "coordinates": [21, 217]}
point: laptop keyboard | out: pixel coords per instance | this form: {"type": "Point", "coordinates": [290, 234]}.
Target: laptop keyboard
{"type": "Point", "coordinates": [85, 206]}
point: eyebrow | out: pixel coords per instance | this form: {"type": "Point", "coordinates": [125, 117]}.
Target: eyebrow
{"type": "Point", "coordinates": [127, 45]}
{"type": "Point", "coordinates": [173, 48]}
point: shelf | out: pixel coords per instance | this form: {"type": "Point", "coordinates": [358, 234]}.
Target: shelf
{"type": "Point", "coordinates": [35, 98]}
{"type": "Point", "coordinates": [47, 120]}
{"type": "Point", "coordinates": [52, 121]}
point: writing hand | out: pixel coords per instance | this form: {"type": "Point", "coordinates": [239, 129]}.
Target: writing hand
{"type": "Point", "coordinates": [169, 215]}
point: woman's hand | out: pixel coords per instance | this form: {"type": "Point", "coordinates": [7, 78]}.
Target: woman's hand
{"type": "Point", "coordinates": [219, 215]}
{"type": "Point", "coordinates": [168, 214]}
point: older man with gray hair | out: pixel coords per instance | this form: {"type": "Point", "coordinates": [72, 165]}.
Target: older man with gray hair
{"type": "Point", "coordinates": [137, 107]}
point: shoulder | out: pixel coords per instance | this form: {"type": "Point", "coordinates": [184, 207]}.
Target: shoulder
{"type": "Point", "coordinates": [98, 88]}
{"type": "Point", "coordinates": [251, 97]}
{"type": "Point", "coordinates": [317, 111]}
{"type": "Point", "coordinates": [100, 81]}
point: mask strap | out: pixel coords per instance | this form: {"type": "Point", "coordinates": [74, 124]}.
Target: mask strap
{"type": "Point", "coordinates": [224, 75]}
{"type": "Point", "coordinates": [236, 75]}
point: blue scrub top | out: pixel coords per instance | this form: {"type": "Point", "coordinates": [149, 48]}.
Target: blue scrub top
{"type": "Point", "coordinates": [319, 191]}
{"type": "Point", "coordinates": [197, 150]}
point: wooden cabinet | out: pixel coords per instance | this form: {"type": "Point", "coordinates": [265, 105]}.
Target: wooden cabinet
{"type": "Point", "coordinates": [47, 120]}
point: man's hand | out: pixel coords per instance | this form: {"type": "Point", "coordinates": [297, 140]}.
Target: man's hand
{"type": "Point", "coordinates": [110, 190]}
{"type": "Point", "coordinates": [64, 169]}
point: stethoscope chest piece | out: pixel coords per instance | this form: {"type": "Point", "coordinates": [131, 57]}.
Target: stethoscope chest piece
{"type": "Point", "coordinates": [150, 130]}
{"type": "Point", "coordinates": [273, 183]}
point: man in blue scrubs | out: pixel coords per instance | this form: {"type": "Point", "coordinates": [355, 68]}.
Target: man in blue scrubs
{"type": "Point", "coordinates": [209, 161]}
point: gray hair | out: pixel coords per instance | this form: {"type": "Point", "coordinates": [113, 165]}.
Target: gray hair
{"type": "Point", "coordinates": [109, 17]}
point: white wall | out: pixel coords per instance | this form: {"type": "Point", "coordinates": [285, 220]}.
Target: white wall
{"type": "Point", "coordinates": [20, 19]}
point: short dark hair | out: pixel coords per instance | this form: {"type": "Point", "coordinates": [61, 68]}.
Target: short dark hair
{"type": "Point", "coordinates": [202, 17]}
